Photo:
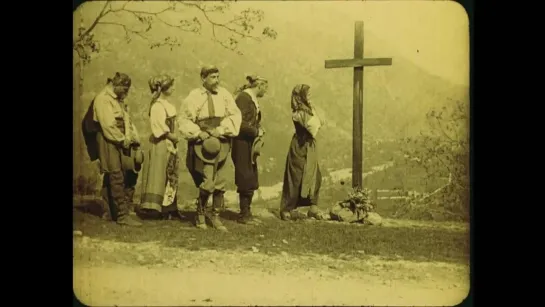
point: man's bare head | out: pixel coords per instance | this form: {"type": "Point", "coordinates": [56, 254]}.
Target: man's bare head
{"type": "Point", "coordinates": [121, 84]}
{"type": "Point", "coordinates": [210, 76]}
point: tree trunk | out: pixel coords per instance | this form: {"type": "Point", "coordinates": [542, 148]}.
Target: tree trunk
{"type": "Point", "coordinates": [76, 103]}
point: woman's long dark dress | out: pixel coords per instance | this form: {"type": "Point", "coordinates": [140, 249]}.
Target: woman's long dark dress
{"type": "Point", "coordinates": [302, 176]}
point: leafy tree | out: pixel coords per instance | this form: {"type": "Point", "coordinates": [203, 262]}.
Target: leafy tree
{"type": "Point", "coordinates": [227, 28]}
{"type": "Point", "coordinates": [442, 151]}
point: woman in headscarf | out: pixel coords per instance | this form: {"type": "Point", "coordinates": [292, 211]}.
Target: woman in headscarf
{"type": "Point", "coordinates": [302, 176]}
{"type": "Point", "coordinates": [161, 179]}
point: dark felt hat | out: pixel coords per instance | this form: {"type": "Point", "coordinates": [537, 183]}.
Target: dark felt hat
{"type": "Point", "coordinates": [134, 160]}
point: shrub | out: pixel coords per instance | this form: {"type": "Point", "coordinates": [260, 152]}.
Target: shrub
{"type": "Point", "coordinates": [441, 151]}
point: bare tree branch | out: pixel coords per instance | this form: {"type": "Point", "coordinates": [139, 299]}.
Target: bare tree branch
{"type": "Point", "coordinates": [445, 134]}
{"type": "Point", "coordinates": [240, 26]}
{"type": "Point", "coordinates": [95, 22]}
{"type": "Point", "coordinates": [170, 8]}
{"type": "Point", "coordinates": [215, 24]}
{"type": "Point", "coordinates": [127, 30]}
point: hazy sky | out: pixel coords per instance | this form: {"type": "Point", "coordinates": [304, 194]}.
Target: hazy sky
{"type": "Point", "coordinates": [439, 30]}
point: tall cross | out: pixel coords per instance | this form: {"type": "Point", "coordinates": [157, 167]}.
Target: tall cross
{"type": "Point", "coordinates": [358, 62]}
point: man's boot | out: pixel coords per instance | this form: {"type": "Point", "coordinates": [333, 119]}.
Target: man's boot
{"type": "Point", "coordinates": [129, 195]}
{"type": "Point", "coordinates": [217, 206]}
{"type": "Point", "coordinates": [130, 179]}
{"type": "Point", "coordinates": [106, 202]}
{"type": "Point", "coordinates": [201, 207]}
{"type": "Point", "coordinates": [245, 216]}
{"type": "Point", "coordinates": [120, 200]}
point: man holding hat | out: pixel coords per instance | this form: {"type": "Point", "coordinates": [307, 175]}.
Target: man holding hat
{"type": "Point", "coordinates": [116, 146]}
{"type": "Point", "coordinates": [247, 145]}
{"type": "Point", "coordinates": [209, 118]}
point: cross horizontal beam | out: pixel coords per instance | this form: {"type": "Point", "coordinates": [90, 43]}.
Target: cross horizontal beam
{"type": "Point", "coordinates": [358, 62]}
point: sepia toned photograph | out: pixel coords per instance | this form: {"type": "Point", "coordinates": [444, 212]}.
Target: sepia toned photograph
{"type": "Point", "coordinates": [271, 153]}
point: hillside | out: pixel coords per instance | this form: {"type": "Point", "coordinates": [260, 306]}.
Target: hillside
{"type": "Point", "coordinates": [396, 98]}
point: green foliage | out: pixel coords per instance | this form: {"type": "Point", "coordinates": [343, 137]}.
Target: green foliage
{"type": "Point", "coordinates": [442, 151]}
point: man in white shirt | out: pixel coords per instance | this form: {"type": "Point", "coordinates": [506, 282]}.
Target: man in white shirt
{"type": "Point", "coordinates": [115, 134]}
{"type": "Point", "coordinates": [209, 117]}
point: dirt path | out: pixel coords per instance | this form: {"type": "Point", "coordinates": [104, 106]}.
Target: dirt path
{"type": "Point", "coordinates": [115, 273]}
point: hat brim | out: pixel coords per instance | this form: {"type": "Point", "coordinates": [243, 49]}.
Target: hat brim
{"type": "Point", "coordinates": [134, 161]}
{"type": "Point", "coordinates": [225, 147]}
{"type": "Point", "coordinates": [256, 148]}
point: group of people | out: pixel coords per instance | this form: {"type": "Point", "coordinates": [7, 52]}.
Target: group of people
{"type": "Point", "coordinates": [214, 124]}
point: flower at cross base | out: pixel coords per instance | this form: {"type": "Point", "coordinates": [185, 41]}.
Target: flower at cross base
{"type": "Point", "coordinates": [358, 201]}
{"type": "Point", "coordinates": [360, 206]}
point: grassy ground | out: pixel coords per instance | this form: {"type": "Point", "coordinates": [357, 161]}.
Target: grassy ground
{"type": "Point", "coordinates": [302, 237]}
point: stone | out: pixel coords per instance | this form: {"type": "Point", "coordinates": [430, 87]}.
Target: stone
{"type": "Point", "coordinates": [374, 218]}
{"type": "Point", "coordinates": [341, 214]}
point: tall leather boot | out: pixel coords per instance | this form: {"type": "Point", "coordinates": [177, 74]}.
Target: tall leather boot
{"type": "Point", "coordinates": [119, 198]}
{"type": "Point", "coordinates": [245, 216]}
{"type": "Point", "coordinates": [217, 207]}
{"type": "Point", "coordinates": [106, 199]}
{"type": "Point", "coordinates": [201, 209]}
{"type": "Point", "coordinates": [130, 180]}
{"type": "Point", "coordinates": [129, 196]}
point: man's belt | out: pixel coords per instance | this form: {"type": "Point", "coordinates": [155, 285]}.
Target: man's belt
{"type": "Point", "coordinates": [209, 123]}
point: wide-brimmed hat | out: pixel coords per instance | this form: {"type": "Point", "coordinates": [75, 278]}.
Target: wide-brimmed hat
{"type": "Point", "coordinates": [134, 160]}
{"type": "Point", "coordinates": [256, 148]}
{"type": "Point", "coordinates": [211, 149]}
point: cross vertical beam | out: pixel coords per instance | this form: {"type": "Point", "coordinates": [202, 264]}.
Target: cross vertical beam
{"type": "Point", "coordinates": [357, 116]}
{"type": "Point", "coordinates": [358, 63]}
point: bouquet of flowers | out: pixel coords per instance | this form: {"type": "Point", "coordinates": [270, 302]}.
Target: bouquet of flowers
{"type": "Point", "coordinates": [358, 204]}
{"type": "Point", "coordinates": [359, 200]}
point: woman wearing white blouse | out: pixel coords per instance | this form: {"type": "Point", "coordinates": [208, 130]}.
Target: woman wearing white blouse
{"type": "Point", "coordinates": [161, 179]}
{"type": "Point", "coordinates": [302, 176]}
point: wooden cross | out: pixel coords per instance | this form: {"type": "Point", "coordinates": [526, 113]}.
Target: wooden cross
{"type": "Point", "coordinates": [358, 62]}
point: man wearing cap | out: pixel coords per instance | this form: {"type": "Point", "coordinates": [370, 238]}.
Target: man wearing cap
{"type": "Point", "coordinates": [247, 144]}
{"type": "Point", "coordinates": [116, 146]}
{"type": "Point", "coordinates": [209, 118]}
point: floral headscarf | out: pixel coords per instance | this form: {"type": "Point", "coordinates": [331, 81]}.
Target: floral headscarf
{"type": "Point", "coordinates": [299, 99]}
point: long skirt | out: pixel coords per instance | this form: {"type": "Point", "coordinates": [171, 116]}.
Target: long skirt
{"type": "Point", "coordinates": [302, 176]}
{"type": "Point", "coordinates": [160, 184]}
